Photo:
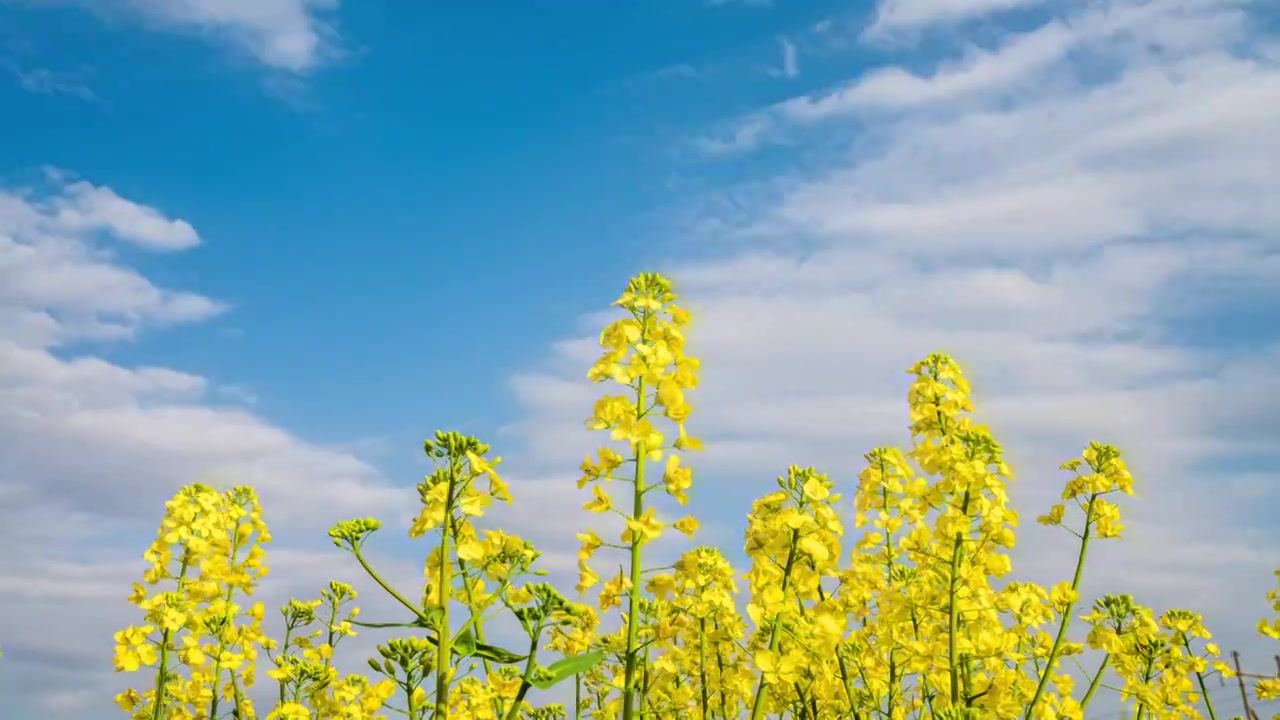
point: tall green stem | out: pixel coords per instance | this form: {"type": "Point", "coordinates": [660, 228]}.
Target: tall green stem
{"type": "Point", "coordinates": [444, 649]}
{"type": "Point", "coordinates": [702, 668]}
{"type": "Point", "coordinates": [633, 604]}
{"type": "Point", "coordinates": [1204, 691]}
{"type": "Point", "coordinates": [531, 664]}
{"type": "Point", "coordinates": [1093, 684]}
{"type": "Point", "coordinates": [162, 668]}
{"type": "Point", "coordinates": [762, 689]}
{"type": "Point", "coordinates": [217, 663]}
{"type": "Point", "coordinates": [1066, 612]}
{"type": "Point", "coordinates": [953, 609]}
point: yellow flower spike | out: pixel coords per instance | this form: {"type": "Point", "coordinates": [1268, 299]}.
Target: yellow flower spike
{"type": "Point", "coordinates": [645, 354]}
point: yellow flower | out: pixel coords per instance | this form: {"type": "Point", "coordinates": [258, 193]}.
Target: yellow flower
{"type": "Point", "coordinates": [687, 525]}
{"type": "Point", "coordinates": [1062, 595]}
{"type": "Point", "coordinates": [601, 502]}
{"type": "Point", "coordinates": [1054, 517]}
{"type": "Point", "coordinates": [520, 595]}
{"type": "Point", "coordinates": [677, 479]}
{"type": "Point", "coordinates": [590, 543]}
{"type": "Point", "coordinates": [642, 530]}
{"type": "Point", "coordinates": [611, 592]}
{"type": "Point", "coordinates": [661, 585]}
{"type": "Point", "coordinates": [290, 711]}
{"type": "Point", "coordinates": [586, 577]}
{"type": "Point", "coordinates": [134, 649]}
{"type": "Point", "coordinates": [128, 700]}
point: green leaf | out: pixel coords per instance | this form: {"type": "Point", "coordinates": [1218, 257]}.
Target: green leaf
{"type": "Point", "coordinates": [357, 623]}
{"type": "Point", "coordinates": [431, 618]}
{"type": "Point", "coordinates": [568, 667]}
{"type": "Point", "coordinates": [497, 654]}
{"type": "Point", "coordinates": [464, 643]}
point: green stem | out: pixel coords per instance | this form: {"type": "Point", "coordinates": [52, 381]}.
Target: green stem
{"type": "Point", "coordinates": [1066, 612]}
{"type": "Point", "coordinates": [330, 636]}
{"type": "Point", "coordinates": [762, 689]}
{"type": "Point", "coordinates": [217, 664]}
{"type": "Point", "coordinates": [417, 611]}
{"type": "Point", "coordinates": [162, 668]}
{"type": "Point", "coordinates": [526, 680]}
{"type": "Point", "coordinates": [953, 610]}
{"type": "Point", "coordinates": [284, 649]}
{"type": "Point", "coordinates": [1146, 678]}
{"type": "Point", "coordinates": [408, 687]}
{"type": "Point", "coordinates": [444, 648]}
{"type": "Point", "coordinates": [1097, 680]}
{"type": "Point", "coordinates": [633, 604]}
{"type": "Point", "coordinates": [645, 679]}
{"type": "Point", "coordinates": [1204, 691]}
{"type": "Point", "coordinates": [724, 700]}
{"type": "Point", "coordinates": [702, 667]}
{"type": "Point", "coordinates": [238, 694]}
{"type": "Point", "coordinates": [475, 621]}
{"type": "Point", "coordinates": [924, 686]}
{"type": "Point", "coordinates": [161, 677]}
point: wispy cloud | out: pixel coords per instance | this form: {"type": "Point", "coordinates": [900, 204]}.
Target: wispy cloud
{"type": "Point", "coordinates": [895, 17]}
{"type": "Point", "coordinates": [44, 81]}
{"type": "Point", "coordinates": [790, 58]}
{"type": "Point", "coordinates": [676, 72]}
{"type": "Point", "coordinates": [294, 36]}
{"type": "Point", "coordinates": [747, 3]}
{"type": "Point", "coordinates": [1015, 68]}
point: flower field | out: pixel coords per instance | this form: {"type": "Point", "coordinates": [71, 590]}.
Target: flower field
{"type": "Point", "coordinates": [906, 613]}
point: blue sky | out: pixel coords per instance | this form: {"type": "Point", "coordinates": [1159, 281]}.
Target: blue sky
{"type": "Point", "coordinates": [284, 241]}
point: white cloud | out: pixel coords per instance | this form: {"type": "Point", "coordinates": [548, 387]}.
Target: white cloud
{"type": "Point", "coordinates": [43, 81]}
{"type": "Point", "coordinates": [790, 58]}
{"type": "Point", "coordinates": [898, 16]}
{"type": "Point", "coordinates": [86, 207]}
{"type": "Point", "coordinates": [58, 285]}
{"type": "Point", "coordinates": [1140, 38]}
{"type": "Point", "coordinates": [289, 35]}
